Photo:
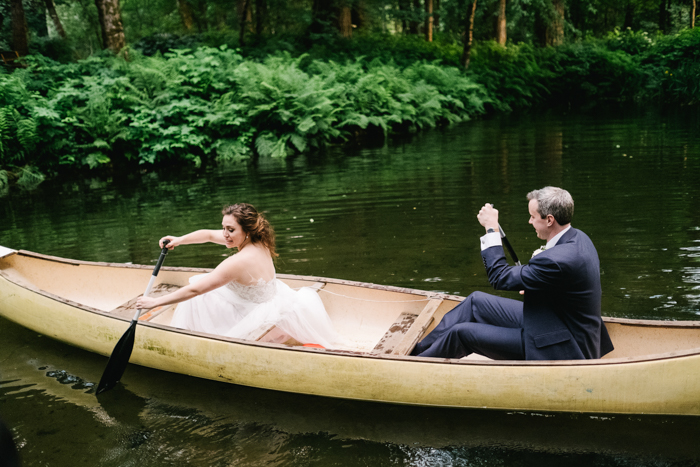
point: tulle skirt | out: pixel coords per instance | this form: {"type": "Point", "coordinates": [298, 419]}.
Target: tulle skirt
{"type": "Point", "coordinates": [299, 314]}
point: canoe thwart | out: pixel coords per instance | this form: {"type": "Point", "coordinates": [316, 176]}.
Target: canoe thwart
{"type": "Point", "coordinates": [405, 332]}
{"type": "Point", "coordinates": [316, 286]}
{"type": "Point", "coordinates": [416, 331]}
{"type": "Point", "coordinates": [395, 334]}
{"type": "Point", "coordinates": [127, 309]}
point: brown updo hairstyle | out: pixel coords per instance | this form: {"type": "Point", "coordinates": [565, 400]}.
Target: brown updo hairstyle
{"type": "Point", "coordinates": [254, 224]}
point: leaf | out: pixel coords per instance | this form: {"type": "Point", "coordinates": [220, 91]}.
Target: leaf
{"type": "Point", "coordinates": [298, 141]}
{"type": "Point", "coordinates": [306, 125]}
{"type": "Point", "coordinates": [96, 159]}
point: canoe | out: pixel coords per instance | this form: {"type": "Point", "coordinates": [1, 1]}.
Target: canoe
{"type": "Point", "coordinates": [654, 369]}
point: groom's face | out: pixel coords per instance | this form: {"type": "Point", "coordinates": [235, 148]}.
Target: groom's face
{"type": "Point", "coordinates": [537, 222]}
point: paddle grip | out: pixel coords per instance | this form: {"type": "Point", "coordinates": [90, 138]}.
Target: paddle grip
{"type": "Point", "coordinates": [161, 258]}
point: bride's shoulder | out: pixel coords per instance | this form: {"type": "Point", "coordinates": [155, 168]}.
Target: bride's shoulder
{"type": "Point", "coordinates": [253, 252]}
{"type": "Point", "coordinates": [247, 255]}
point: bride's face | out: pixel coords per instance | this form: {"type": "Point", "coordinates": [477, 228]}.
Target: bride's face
{"type": "Point", "coordinates": [233, 233]}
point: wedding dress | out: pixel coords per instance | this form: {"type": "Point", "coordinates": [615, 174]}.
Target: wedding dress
{"type": "Point", "coordinates": [237, 310]}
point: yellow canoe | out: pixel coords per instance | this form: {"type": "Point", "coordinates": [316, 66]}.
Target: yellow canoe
{"type": "Point", "coordinates": [655, 368]}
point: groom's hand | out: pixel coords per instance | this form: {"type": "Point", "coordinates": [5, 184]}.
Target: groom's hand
{"type": "Point", "coordinates": [488, 217]}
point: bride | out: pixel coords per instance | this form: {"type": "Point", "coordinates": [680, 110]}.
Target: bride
{"type": "Point", "coordinates": [242, 294]}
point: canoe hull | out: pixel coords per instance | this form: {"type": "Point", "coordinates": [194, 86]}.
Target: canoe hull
{"type": "Point", "coordinates": [667, 385]}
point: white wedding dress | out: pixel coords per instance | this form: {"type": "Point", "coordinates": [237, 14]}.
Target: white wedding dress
{"type": "Point", "coordinates": [237, 310]}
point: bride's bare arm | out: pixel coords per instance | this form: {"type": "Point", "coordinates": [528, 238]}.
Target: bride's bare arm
{"type": "Point", "coordinates": [222, 275]}
{"type": "Point", "coordinates": [198, 236]}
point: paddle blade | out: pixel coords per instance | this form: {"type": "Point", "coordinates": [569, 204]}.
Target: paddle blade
{"type": "Point", "coordinates": [118, 360]}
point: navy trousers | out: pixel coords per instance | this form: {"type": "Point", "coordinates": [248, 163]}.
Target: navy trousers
{"type": "Point", "coordinates": [483, 324]}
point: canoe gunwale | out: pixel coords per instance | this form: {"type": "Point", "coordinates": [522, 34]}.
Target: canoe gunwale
{"type": "Point", "coordinates": [356, 354]}
{"type": "Point", "coordinates": [328, 280]}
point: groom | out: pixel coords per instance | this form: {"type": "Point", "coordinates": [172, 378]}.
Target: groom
{"type": "Point", "coordinates": [559, 318]}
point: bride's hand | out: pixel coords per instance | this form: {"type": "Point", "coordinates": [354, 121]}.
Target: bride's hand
{"type": "Point", "coordinates": [145, 303]}
{"type": "Point", "coordinates": [174, 241]}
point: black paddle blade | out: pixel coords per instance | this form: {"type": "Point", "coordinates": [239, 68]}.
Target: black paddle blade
{"type": "Point", "coordinates": [118, 360]}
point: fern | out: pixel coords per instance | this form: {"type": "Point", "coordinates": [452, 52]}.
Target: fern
{"type": "Point", "coordinates": [26, 132]}
{"type": "Point", "coordinates": [4, 182]}
{"type": "Point", "coordinates": [30, 177]}
{"type": "Point", "coordinates": [269, 145]}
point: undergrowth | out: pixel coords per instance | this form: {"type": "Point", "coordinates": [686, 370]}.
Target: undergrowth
{"type": "Point", "coordinates": [205, 103]}
{"type": "Point", "coordinates": [212, 103]}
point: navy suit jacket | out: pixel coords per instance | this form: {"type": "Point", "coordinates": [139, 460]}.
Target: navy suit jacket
{"type": "Point", "coordinates": [561, 310]}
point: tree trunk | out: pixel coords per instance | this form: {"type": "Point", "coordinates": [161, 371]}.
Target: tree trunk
{"type": "Point", "coordinates": [20, 33]}
{"type": "Point", "coordinates": [51, 9]}
{"type": "Point", "coordinates": [185, 10]}
{"type": "Point", "coordinates": [501, 35]}
{"type": "Point", "coordinates": [359, 14]}
{"type": "Point", "coordinates": [549, 26]}
{"type": "Point", "coordinates": [692, 15]}
{"type": "Point", "coordinates": [244, 18]}
{"type": "Point", "coordinates": [414, 24]}
{"type": "Point", "coordinates": [323, 14]}
{"type": "Point", "coordinates": [200, 18]}
{"type": "Point", "coordinates": [345, 20]}
{"type": "Point", "coordinates": [663, 16]}
{"type": "Point", "coordinates": [467, 52]}
{"type": "Point", "coordinates": [557, 25]}
{"type": "Point", "coordinates": [436, 15]}
{"type": "Point", "coordinates": [404, 9]}
{"type": "Point", "coordinates": [429, 20]}
{"type": "Point", "coordinates": [110, 17]}
{"type": "Point", "coordinates": [260, 16]}
{"type": "Point", "coordinates": [629, 16]}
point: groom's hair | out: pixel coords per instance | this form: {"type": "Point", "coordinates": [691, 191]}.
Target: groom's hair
{"type": "Point", "coordinates": [253, 224]}
{"type": "Point", "coordinates": [555, 201]}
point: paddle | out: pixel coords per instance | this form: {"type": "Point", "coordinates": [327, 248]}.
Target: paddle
{"type": "Point", "coordinates": [507, 244]}
{"type": "Point", "coordinates": [122, 351]}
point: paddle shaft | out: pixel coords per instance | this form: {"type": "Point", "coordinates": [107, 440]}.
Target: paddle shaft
{"type": "Point", "coordinates": [153, 276]}
{"type": "Point", "coordinates": [122, 351]}
{"type": "Point", "coordinates": [507, 244]}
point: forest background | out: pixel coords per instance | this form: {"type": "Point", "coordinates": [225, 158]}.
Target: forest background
{"type": "Point", "coordinates": [114, 85]}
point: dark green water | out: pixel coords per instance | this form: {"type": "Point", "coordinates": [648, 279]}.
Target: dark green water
{"type": "Point", "coordinates": [404, 215]}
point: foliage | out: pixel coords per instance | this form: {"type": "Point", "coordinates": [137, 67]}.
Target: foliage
{"type": "Point", "coordinates": [591, 73]}
{"type": "Point", "coordinates": [625, 67]}
{"type": "Point", "coordinates": [672, 66]}
{"type": "Point", "coordinates": [514, 75]}
{"type": "Point", "coordinates": [629, 41]}
{"type": "Point", "coordinates": [197, 105]}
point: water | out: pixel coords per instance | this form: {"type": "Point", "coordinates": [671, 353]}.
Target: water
{"type": "Point", "coordinates": [405, 215]}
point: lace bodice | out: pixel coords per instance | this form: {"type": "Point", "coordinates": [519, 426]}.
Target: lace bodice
{"type": "Point", "coordinates": [256, 293]}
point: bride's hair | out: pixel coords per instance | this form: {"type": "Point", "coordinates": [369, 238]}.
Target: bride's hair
{"type": "Point", "coordinates": [253, 224]}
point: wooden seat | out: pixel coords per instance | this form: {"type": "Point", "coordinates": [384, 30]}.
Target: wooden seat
{"type": "Point", "coordinates": [128, 309]}
{"type": "Point", "coordinates": [408, 328]}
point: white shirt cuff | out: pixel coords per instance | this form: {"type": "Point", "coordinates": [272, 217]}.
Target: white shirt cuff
{"type": "Point", "coordinates": [490, 239]}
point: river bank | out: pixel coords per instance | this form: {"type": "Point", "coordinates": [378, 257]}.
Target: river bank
{"type": "Point", "coordinates": [193, 106]}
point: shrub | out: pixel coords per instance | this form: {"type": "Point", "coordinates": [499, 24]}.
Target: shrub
{"type": "Point", "coordinates": [194, 105]}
